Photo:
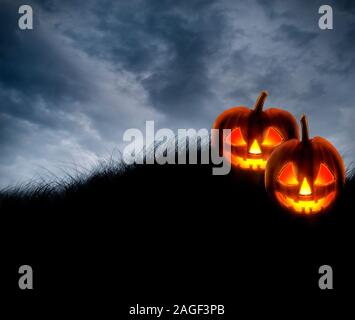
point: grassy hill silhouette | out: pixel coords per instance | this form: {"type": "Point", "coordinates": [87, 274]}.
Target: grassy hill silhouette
{"type": "Point", "coordinates": [166, 231]}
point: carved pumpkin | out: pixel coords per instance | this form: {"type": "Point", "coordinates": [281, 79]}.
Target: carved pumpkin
{"type": "Point", "coordinates": [254, 133]}
{"type": "Point", "coordinates": [305, 176]}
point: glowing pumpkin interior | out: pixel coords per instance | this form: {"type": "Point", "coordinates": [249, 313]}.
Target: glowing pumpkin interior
{"type": "Point", "coordinates": [304, 202]}
{"type": "Point", "coordinates": [256, 161]}
{"type": "Point", "coordinates": [273, 138]}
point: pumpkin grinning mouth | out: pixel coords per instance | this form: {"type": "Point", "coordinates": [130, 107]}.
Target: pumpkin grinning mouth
{"type": "Point", "coordinates": [306, 206]}
{"type": "Point", "coordinates": [247, 163]}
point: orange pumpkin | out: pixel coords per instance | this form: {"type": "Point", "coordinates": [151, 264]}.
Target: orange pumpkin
{"type": "Point", "coordinates": [305, 176]}
{"type": "Point", "coordinates": [254, 133]}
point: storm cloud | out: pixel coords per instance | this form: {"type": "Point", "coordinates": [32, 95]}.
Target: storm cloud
{"type": "Point", "coordinates": [90, 70]}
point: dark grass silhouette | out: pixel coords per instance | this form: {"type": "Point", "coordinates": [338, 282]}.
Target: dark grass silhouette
{"type": "Point", "coordinates": [165, 232]}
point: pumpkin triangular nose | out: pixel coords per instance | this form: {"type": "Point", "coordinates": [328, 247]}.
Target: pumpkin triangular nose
{"type": "Point", "coordinates": [305, 189]}
{"type": "Point", "coordinates": [255, 149]}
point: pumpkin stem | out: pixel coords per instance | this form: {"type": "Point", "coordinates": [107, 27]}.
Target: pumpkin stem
{"type": "Point", "coordinates": [260, 102]}
{"type": "Point", "coordinates": [305, 129]}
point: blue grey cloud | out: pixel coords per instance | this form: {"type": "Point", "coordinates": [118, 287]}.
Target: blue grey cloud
{"type": "Point", "coordinates": [88, 71]}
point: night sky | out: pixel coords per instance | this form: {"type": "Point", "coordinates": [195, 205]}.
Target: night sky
{"type": "Point", "coordinates": [91, 69]}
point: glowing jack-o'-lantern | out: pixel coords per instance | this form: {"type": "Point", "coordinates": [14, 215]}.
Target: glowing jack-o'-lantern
{"type": "Point", "coordinates": [305, 176]}
{"type": "Point", "coordinates": [254, 133]}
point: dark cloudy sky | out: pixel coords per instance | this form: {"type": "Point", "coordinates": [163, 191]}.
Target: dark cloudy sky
{"type": "Point", "coordinates": [91, 69]}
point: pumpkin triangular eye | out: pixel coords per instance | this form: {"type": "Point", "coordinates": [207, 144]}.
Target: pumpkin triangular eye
{"type": "Point", "coordinates": [273, 138]}
{"type": "Point", "coordinates": [287, 175]}
{"type": "Point", "coordinates": [235, 138]}
{"type": "Point", "coordinates": [324, 176]}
